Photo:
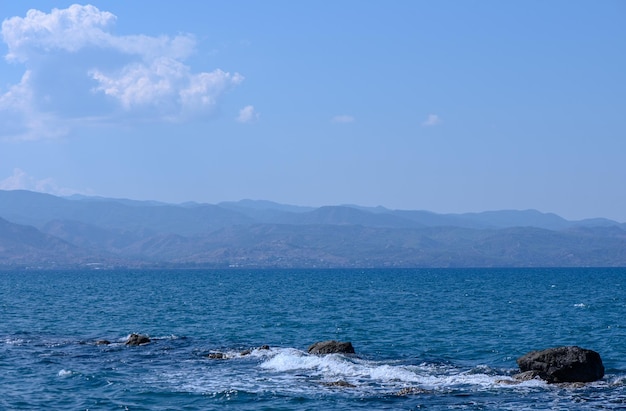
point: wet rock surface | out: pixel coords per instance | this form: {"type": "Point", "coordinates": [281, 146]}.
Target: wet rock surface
{"type": "Point", "coordinates": [562, 364]}
{"type": "Point", "coordinates": [331, 347]}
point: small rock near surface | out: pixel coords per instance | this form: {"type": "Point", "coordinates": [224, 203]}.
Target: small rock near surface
{"type": "Point", "coordinates": [137, 339]}
{"type": "Point", "coordinates": [331, 347]}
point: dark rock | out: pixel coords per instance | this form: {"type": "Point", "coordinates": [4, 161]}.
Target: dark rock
{"type": "Point", "coordinates": [331, 347]}
{"type": "Point", "coordinates": [216, 356]}
{"type": "Point", "coordinates": [340, 383]}
{"type": "Point", "coordinates": [103, 342]}
{"type": "Point", "coordinates": [137, 339]}
{"type": "Point", "coordinates": [563, 364]}
{"type": "Point", "coordinates": [264, 347]}
{"type": "Point", "coordinates": [246, 352]}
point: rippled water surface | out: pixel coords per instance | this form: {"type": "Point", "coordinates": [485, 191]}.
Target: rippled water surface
{"type": "Point", "coordinates": [449, 336]}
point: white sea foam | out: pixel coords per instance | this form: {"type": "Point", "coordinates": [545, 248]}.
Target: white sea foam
{"type": "Point", "coordinates": [166, 337]}
{"type": "Point", "coordinates": [290, 371]}
{"type": "Point", "coordinates": [65, 373]}
{"type": "Point", "coordinates": [335, 367]}
{"type": "Point", "coordinates": [14, 341]}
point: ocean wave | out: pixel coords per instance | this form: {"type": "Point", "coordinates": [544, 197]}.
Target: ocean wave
{"type": "Point", "coordinates": [362, 372]}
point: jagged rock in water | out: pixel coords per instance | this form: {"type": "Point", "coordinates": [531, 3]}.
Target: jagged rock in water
{"type": "Point", "coordinates": [216, 356]}
{"type": "Point", "coordinates": [103, 342]}
{"type": "Point", "coordinates": [340, 383]}
{"type": "Point", "coordinates": [331, 347]}
{"type": "Point", "coordinates": [137, 339]}
{"type": "Point", "coordinates": [562, 364]}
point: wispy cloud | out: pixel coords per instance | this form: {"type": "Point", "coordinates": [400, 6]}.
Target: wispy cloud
{"type": "Point", "coordinates": [20, 180]}
{"type": "Point", "coordinates": [247, 115]}
{"type": "Point", "coordinates": [343, 118]}
{"type": "Point", "coordinates": [76, 68]}
{"type": "Point", "coordinates": [432, 120]}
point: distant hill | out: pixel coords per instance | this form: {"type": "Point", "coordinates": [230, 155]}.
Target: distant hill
{"type": "Point", "coordinates": [24, 246]}
{"type": "Point", "coordinates": [41, 230]}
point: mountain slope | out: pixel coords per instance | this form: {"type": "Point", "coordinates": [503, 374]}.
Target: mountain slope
{"type": "Point", "coordinates": [23, 245]}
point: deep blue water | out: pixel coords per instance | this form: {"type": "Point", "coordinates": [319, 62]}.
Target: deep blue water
{"type": "Point", "coordinates": [453, 334]}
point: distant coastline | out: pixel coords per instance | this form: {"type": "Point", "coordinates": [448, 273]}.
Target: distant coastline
{"type": "Point", "coordinates": [41, 231]}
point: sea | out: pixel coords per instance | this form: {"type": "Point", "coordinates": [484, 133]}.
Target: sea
{"type": "Point", "coordinates": [434, 339]}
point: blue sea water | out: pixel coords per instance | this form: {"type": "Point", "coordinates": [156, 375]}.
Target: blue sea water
{"type": "Point", "coordinates": [450, 334]}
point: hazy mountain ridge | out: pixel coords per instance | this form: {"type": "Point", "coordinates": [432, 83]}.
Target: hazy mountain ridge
{"type": "Point", "coordinates": [38, 229]}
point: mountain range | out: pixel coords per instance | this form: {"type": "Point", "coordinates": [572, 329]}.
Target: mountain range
{"type": "Point", "coordinates": [44, 231]}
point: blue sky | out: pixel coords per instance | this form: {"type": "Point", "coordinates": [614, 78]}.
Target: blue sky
{"type": "Point", "coordinates": [447, 106]}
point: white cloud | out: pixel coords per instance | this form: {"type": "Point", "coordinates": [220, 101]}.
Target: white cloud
{"type": "Point", "coordinates": [79, 27]}
{"type": "Point", "coordinates": [343, 119]}
{"type": "Point", "coordinates": [20, 119]}
{"type": "Point", "coordinates": [77, 69]}
{"type": "Point", "coordinates": [247, 115]}
{"type": "Point", "coordinates": [70, 29]}
{"type": "Point", "coordinates": [432, 120]}
{"type": "Point", "coordinates": [20, 180]}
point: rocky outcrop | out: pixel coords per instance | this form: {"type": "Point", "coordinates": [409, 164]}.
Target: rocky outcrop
{"type": "Point", "coordinates": [137, 339]}
{"type": "Point", "coordinates": [562, 364]}
{"type": "Point", "coordinates": [331, 347]}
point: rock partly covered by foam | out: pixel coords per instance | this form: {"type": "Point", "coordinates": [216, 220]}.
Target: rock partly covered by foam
{"type": "Point", "coordinates": [331, 347]}
{"type": "Point", "coordinates": [216, 355]}
{"type": "Point", "coordinates": [137, 339]}
{"type": "Point", "coordinates": [562, 364]}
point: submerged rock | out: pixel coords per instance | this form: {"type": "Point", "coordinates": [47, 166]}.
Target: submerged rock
{"type": "Point", "coordinates": [340, 383]}
{"type": "Point", "coordinates": [223, 356]}
{"type": "Point", "coordinates": [103, 342]}
{"type": "Point", "coordinates": [562, 364]}
{"type": "Point", "coordinates": [412, 391]}
{"type": "Point", "coordinates": [137, 339]}
{"type": "Point", "coordinates": [527, 375]}
{"type": "Point", "coordinates": [520, 377]}
{"type": "Point", "coordinates": [331, 347]}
